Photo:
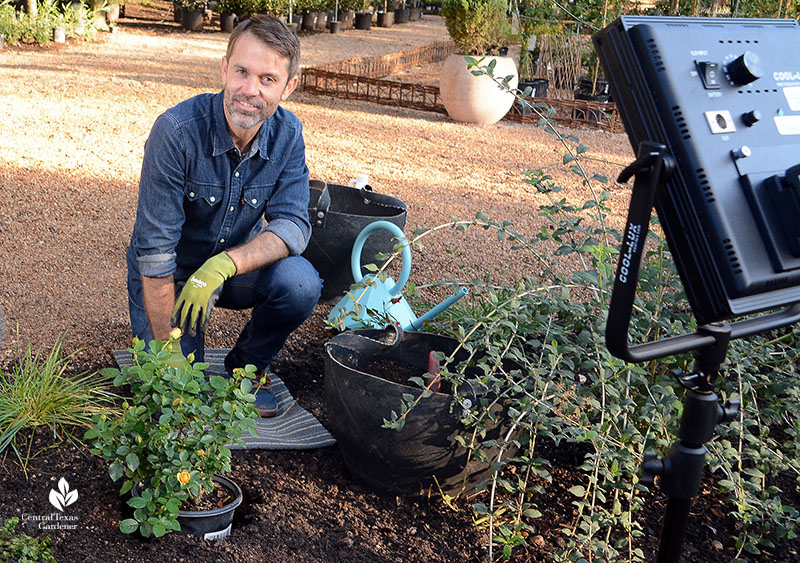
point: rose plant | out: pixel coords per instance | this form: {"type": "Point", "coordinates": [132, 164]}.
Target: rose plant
{"type": "Point", "coordinates": [172, 435]}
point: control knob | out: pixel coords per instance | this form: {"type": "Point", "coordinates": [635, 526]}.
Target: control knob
{"type": "Point", "coordinates": [746, 68]}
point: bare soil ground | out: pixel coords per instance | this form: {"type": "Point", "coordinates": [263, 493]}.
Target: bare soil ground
{"type": "Point", "coordinates": [73, 128]}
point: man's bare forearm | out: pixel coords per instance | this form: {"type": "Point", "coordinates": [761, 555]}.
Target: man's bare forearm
{"type": "Point", "coordinates": [159, 299]}
{"type": "Point", "coordinates": [265, 249]}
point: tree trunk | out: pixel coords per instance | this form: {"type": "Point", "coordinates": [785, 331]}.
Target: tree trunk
{"type": "Point", "coordinates": [31, 7]}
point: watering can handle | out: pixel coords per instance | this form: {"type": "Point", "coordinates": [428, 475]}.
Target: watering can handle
{"type": "Point", "coordinates": [358, 246]}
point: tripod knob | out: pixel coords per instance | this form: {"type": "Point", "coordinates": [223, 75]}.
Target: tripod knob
{"type": "Point", "coordinates": [651, 466]}
{"type": "Point", "coordinates": [730, 410]}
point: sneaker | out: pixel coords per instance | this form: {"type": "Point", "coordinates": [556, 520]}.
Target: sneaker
{"type": "Point", "coordinates": [265, 404]}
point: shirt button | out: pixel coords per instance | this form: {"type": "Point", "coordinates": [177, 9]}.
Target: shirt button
{"type": "Point", "coordinates": [212, 199]}
{"type": "Point", "coordinates": [254, 201]}
{"type": "Point", "coordinates": [222, 240]}
{"type": "Point", "coordinates": [191, 194]}
{"type": "Point", "coordinates": [231, 208]}
{"type": "Point", "coordinates": [236, 174]}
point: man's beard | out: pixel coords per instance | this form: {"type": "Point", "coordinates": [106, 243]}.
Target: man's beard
{"type": "Point", "coordinates": [247, 120]}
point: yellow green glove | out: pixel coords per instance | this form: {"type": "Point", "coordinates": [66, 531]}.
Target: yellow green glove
{"type": "Point", "coordinates": [193, 309]}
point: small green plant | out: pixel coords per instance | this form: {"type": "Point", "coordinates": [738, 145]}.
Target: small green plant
{"type": "Point", "coordinates": [478, 27]}
{"type": "Point", "coordinates": [22, 548]}
{"type": "Point", "coordinates": [38, 393]}
{"type": "Point", "coordinates": [172, 436]}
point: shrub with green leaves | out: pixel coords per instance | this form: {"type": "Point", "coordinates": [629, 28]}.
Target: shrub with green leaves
{"type": "Point", "coordinates": [22, 548]}
{"type": "Point", "coordinates": [174, 431]}
{"type": "Point", "coordinates": [478, 27]}
{"type": "Point", "coordinates": [37, 393]}
{"type": "Point", "coordinates": [540, 343]}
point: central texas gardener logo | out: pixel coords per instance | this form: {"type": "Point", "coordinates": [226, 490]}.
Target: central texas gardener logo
{"type": "Point", "coordinates": [63, 497]}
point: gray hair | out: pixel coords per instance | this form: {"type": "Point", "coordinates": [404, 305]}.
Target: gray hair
{"type": "Point", "coordinates": [273, 33]}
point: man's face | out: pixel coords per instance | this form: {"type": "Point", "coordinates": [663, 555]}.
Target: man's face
{"type": "Point", "coordinates": [256, 79]}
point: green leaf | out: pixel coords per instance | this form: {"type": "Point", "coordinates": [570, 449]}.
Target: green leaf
{"type": "Point", "coordinates": [115, 470]}
{"type": "Point", "coordinates": [137, 502]}
{"type": "Point", "coordinates": [128, 526]}
{"type": "Point", "coordinates": [132, 461]}
{"type": "Point", "coordinates": [159, 530]}
{"type": "Point", "coordinates": [578, 490]}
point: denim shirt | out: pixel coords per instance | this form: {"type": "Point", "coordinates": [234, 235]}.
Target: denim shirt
{"type": "Point", "coordinates": [196, 200]}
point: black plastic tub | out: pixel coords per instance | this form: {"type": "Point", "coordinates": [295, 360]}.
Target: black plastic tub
{"type": "Point", "coordinates": [425, 455]}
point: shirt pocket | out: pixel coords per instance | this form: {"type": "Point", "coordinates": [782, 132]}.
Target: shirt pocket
{"type": "Point", "coordinates": [203, 194]}
{"type": "Point", "coordinates": [255, 198]}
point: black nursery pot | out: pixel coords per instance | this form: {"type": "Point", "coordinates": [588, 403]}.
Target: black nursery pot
{"type": "Point", "coordinates": [425, 451]}
{"type": "Point", "coordinates": [214, 524]}
{"type": "Point", "coordinates": [363, 20]}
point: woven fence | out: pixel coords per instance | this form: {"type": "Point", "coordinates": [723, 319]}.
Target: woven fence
{"type": "Point", "coordinates": [386, 92]}
{"type": "Point", "coordinates": [392, 63]}
{"type": "Point", "coordinates": [358, 79]}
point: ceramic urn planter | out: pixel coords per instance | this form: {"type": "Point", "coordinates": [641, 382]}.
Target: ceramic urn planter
{"type": "Point", "coordinates": [476, 99]}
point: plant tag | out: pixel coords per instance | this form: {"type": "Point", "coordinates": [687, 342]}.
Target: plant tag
{"type": "Point", "coordinates": [219, 535]}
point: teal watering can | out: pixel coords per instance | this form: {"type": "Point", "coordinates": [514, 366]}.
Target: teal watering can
{"type": "Point", "coordinates": [383, 298]}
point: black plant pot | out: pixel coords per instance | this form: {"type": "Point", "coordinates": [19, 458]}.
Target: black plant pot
{"type": "Point", "coordinates": [594, 115]}
{"type": "Point", "coordinates": [309, 21]}
{"type": "Point", "coordinates": [335, 26]}
{"type": "Point", "coordinates": [322, 21]}
{"type": "Point", "coordinates": [385, 19]}
{"type": "Point", "coordinates": [363, 20]}
{"type": "Point", "coordinates": [538, 87]}
{"type": "Point", "coordinates": [217, 522]}
{"type": "Point", "coordinates": [338, 215]}
{"type": "Point", "coordinates": [401, 15]}
{"type": "Point", "coordinates": [414, 14]}
{"type": "Point", "coordinates": [209, 524]}
{"type": "Point", "coordinates": [425, 454]}
{"type": "Point", "coordinates": [600, 88]}
{"type": "Point", "coordinates": [347, 17]}
{"type": "Point", "coordinates": [192, 19]}
{"type": "Point", "coordinates": [227, 22]}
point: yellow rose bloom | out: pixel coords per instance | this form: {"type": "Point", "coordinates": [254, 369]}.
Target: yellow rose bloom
{"type": "Point", "coordinates": [201, 453]}
{"type": "Point", "coordinates": [184, 477]}
{"type": "Point", "coordinates": [176, 333]}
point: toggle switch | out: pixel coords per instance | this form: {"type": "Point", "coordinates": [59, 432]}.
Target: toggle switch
{"type": "Point", "coordinates": [709, 74]}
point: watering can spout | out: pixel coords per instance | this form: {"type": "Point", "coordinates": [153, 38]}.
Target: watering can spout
{"type": "Point", "coordinates": [417, 323]}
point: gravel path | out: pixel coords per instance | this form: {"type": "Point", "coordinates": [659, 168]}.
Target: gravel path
{"type": "Point", "coordinates": [74, 124]}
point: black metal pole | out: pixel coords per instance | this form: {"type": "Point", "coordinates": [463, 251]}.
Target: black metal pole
{"type": "Point", "coordinates": [675, 519]}
{"type": "Point", "coordinates": [681, 472]}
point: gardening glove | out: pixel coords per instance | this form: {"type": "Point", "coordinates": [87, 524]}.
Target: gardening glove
{"type": "Point", "coordinates": [193, 309]}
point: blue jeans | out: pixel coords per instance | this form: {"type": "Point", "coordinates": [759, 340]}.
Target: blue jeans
{"type": "Point", "coordinates": [281, 296]}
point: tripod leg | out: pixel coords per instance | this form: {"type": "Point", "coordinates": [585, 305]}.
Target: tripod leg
{"type": "Point", "coordinates": [675, 519]}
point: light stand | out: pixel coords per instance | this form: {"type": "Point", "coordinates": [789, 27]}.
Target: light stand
{"type": "Point", "coordinates": [679, 473]}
